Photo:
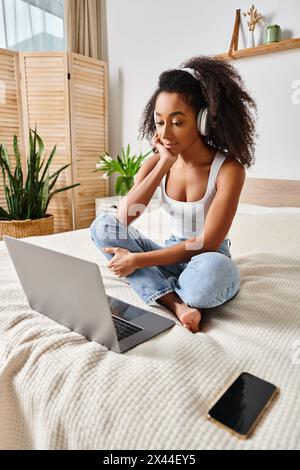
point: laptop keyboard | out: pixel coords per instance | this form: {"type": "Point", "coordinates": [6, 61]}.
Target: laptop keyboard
{"type": "Point", "coordinates": [124, 328]}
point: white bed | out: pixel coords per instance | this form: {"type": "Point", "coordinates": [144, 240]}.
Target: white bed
{"type": "Point", "coordinates": [60, 391]}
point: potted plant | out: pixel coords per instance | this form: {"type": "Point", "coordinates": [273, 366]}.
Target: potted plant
{"type": "Point", "coordinates": [27, 204]}
{"type": "Point", "coordinates": [127, 166]}
{"type": "Point", "coordinates": [272, 33]}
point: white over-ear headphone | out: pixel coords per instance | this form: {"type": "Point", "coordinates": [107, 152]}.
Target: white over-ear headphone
{"type": "Point", "coordinates": [203, 124]}
{"type": "Point", "coordinates": [202, 118]}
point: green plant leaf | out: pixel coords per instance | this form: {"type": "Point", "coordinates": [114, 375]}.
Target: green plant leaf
{"type": "Point", "coordinates": [122, 167]}
{"type": "Point", "coordinates": [39, 153]}
{"type": "Point", "coordinates": [4, 215]}
{"type": "Point", "coordinates": [65, 188]}
{"type": "Point", "coordinates": [8, 200]}
{"type": "Point", "coordinates": [49, 161]}
{"type": "Point", "coordinates": [127, 155]}
{"type": "Point", "coordinates": [2, 167]}
{"type": "Point", "coordinates": [5, 155]}
{"type": "Point", "coordinates": [59, 170]}
{"type": "Point", "coordinates": [118, 185]}
{"type": "Point", "coordinates": [123, 159]}
{"type": "Point", "coordinates": [45, 195]}
{"type": "Point", "coordinates": [5, 165]}
{"type": "Point", "coordinates": [137, 165]}
{"type": "Point", "coordinates": [18, 174]}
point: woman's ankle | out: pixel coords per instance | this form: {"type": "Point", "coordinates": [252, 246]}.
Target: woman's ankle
{"type": "Point", "coordinates": [173, 302]}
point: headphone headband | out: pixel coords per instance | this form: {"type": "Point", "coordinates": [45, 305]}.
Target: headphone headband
{"type": "Point", "coordinates": [192, 72]}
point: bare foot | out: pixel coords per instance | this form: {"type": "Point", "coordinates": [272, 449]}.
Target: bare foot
{"type": "Point", "coordinates": [190, 318]}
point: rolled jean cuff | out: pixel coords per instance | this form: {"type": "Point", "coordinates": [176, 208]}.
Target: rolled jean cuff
{"type": "Point", "coordinates": [151, 300]}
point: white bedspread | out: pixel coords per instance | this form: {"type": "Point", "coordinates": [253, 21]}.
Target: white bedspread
{"type": "Point", "coordinates": [60, 391]}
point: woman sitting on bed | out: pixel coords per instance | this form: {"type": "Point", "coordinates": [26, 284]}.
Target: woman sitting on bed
{"type": "Point", "coordinates": [200, 123]}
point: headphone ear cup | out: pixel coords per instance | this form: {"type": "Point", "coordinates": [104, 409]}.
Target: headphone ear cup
{"type": "Point", "coordinates": [203, 122]}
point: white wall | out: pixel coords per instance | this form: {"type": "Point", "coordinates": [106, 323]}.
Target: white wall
{"type": "Point", "coordinates": [144, 37]}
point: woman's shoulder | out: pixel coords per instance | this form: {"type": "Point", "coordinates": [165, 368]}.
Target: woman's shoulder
{"type": "Point", "coordinates": [231, 168]}
{"type": "Point", "coordinates": [232, 164]}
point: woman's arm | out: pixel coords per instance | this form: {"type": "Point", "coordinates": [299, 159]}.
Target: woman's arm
{"type": "Point", "coordinates": [180, 253]}
{"type": "Point", "coordinates": [218, 221]}
{"type": "Point", "coordinates": [147, 180]}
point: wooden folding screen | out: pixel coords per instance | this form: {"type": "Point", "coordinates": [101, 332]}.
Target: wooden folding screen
{"type": "Point", "coordinates": [10, 107]}
{"type": "Point", "coordinates": [89, 117]}
{"type": "Point", "coordinates": [65, 97]}
{"type": "Point", "coordinates": [44, 84]}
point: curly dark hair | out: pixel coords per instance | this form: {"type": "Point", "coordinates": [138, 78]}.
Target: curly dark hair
{"type": "Point", "coordinates": [220, 88]}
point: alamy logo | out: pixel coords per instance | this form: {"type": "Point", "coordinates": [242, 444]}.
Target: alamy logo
{"type": "Point", "coordinates": [296, 352]}
{"type": "Point", "coordinates": [295, 98]}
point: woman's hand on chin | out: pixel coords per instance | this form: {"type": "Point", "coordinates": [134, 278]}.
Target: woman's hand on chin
{"type": "Point", "coordinates": [165, 154]}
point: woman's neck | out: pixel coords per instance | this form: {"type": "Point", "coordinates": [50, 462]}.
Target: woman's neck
{"type": "Point", "coordinates": [197, 154]}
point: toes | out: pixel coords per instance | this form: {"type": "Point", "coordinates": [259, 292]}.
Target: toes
{"type": "Point", "coordinates": [191, 321]}
{"type": "Point", "coordinates": [195, 327]}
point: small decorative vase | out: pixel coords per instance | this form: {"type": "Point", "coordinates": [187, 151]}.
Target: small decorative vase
{"type": "Point", "coordinates": [251, 42]}
{"type": "Point", "coordinates": [272, 34]}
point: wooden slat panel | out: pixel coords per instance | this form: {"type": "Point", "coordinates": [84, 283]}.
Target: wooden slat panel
{"type": "Point", "coordinates": [46, 105]}
{"type": "Point", "coordinates": [10, 108]}
{"type": "Point", "coordinates": [89, 117]}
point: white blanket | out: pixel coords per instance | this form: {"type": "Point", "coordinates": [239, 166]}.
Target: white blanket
{"type": "Point", "coordinates": [60, 391]}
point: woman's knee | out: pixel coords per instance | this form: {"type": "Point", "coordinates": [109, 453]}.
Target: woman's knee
{"type": "Point", "coordinates": [212, 279]}
{"type": "Point", "coordinates": [104, 227]}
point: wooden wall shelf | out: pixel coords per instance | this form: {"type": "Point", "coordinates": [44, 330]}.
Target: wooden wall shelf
{"type": "Point", "coordinates": [262, 49]}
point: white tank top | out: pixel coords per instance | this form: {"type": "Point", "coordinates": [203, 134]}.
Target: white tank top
{"type": "Point", "coordinates": [187, 218]}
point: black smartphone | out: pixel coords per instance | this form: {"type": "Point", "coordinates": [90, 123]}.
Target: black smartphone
{"type": "Point", "coordinates": [240, 407]}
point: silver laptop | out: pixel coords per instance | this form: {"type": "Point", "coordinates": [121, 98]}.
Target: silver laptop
{"type": "Point", "coordinates": [70, 291]}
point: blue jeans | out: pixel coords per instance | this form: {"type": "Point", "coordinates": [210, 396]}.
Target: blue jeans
{"type": "Point", "coordinates": [209, 279]}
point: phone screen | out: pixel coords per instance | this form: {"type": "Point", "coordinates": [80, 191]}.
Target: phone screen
{"type": "Point", "coordinates": [242, 403]}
